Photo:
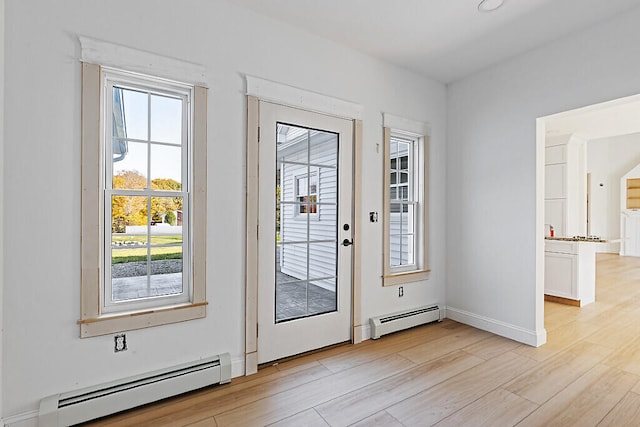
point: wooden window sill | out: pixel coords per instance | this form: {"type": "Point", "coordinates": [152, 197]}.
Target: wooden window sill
{"type": "Point", "coordinates": [405, 277]}
{"type": "Point", "coordinates": [119, 322]}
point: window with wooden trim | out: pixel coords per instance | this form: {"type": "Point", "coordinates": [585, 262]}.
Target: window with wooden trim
{"type": "Point", "coordinates": [143, 201]}
{"type": "Point", "coordinates": [405, 207]}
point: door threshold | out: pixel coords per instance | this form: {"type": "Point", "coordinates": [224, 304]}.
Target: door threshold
{"type": "Point", "coordinates": [300, 355]}
{"type": "Point", "coordinates": [560, 300]}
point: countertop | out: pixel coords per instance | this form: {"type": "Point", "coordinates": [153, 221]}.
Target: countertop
{"type": "Point", "coordinates": [578, 239]}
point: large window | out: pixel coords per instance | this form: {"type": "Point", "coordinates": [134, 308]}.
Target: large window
{"type": "Point", "coordinates": [146, 189]}
{"type": "Point", "coordinates": [146, 240]}
{"type": "Point", "coordinates": [405, 219]}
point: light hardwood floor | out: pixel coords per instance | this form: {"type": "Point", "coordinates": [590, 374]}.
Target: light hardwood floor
{"type": "Point", "coordinates": [446, 374]}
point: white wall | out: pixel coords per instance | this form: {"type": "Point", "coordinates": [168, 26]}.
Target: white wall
{"type": "Point", "coordinates": [1, 205]}
{"type": "Point", "coordinates": [494, 171]}
{"type": "Point", "coordinates": [608, 160]}
{"type": "Point", "coordinates": [42, 270]}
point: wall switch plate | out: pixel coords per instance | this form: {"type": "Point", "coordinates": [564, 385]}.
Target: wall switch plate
{"type": "Point", "coordinates": [120, 343]}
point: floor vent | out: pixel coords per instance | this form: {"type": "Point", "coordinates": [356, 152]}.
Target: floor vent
{"type": "Point", "coordinates": [106, 399]}
{"type": "Point", "coordinates": [387, 324]}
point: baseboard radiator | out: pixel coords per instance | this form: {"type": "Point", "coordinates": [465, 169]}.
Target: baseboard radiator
{"type": "Point", "coordinates": [106, 399]}
{"type": "Point", "coordinates": [389, 323]}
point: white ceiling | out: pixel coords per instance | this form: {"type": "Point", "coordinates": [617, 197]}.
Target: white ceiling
{"type": "Point", "coordinates": [442, 39]}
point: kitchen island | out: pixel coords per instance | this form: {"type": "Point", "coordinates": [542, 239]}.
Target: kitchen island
{"type": "Point", "coordinates": [570, 270]}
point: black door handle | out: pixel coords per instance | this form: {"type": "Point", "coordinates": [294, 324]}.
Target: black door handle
{"type": "Point", "coordinates": [347, 242]}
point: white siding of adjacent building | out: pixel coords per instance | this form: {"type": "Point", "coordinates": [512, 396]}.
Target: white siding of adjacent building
{"type": "Point", "coordinates": [399, 224]}
{"type": "Point", "coordinates": [321, 225]}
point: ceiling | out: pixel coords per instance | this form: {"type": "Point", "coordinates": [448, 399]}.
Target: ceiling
{"type": "Point", "coordinates": [443, 39]}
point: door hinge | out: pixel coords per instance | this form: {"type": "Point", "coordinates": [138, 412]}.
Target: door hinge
{"type": "Point", "coordinates": [257, 330]}
{"type": "Point", "coordinates": [258, 133]}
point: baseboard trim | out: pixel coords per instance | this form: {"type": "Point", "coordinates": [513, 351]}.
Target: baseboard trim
{"type": "Point", "coordinates": [237, 367]}
{"type": "Point", "coordinates": [363, 333]}
{"type": "Point", "coordinates": [507, 330]}
{"type": "Point", "coordinates": [26, 419]}
{"type": "Point", "coordinates": [30, 419]}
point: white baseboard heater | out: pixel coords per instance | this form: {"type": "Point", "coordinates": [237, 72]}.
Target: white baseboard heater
{"type": "Point", "coordinates": [106, 399]}
{"type": "Point", "coordinates": [389, 323]}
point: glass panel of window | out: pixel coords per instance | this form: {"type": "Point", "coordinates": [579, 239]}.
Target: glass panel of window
{"type": "Point", "coordinates": [166, 119]}
{"type": "Point", "coordinates": [403, 203]}
{"type": "Point", "coordinates": [130, 165]}
{"type": "Point", "coordinates": [306, 243]}
{"type": "Point", "coordinates": [147, 196]}
{"type": "Point", "coordinates": [133, 107]}
{"type": "Point", "coordinates": [165, 167]}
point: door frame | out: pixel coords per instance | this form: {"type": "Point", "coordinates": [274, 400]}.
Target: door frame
{"type": "Point", "coordinates": [257, 90]}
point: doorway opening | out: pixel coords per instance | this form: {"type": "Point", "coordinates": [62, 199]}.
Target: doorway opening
{"type": "Point", "coordinates": [585, 157]}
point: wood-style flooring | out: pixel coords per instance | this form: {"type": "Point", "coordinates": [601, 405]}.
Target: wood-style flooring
{"type": "Point", "coordinates": [446, 374]}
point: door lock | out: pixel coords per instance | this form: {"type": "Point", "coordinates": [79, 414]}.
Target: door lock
{"type": "Point", "coordinates": [347, 242]}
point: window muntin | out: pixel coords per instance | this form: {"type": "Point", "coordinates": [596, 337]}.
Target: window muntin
{"type": "Point", "coordinates": [146, 193]}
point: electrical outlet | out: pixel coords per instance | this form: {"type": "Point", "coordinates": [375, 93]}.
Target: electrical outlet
{"type": "Point", "coordinates": [400, 291]}
{"type": "Point", "coordinates": [119, 343]}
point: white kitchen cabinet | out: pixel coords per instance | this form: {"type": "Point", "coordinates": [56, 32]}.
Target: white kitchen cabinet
{"type": "Point", "coordinates": [555, 181]}
{"type": "Point", "coordinates": [555, 154]}
{"type": "Point", "coordinates": [566, 185]}
{"type": "Point", "coordinates": [630, 230]}
{"type": "Point", "coordinates": [570, 270]}
{"type": "Point", "coordinates": [555, 213]}
{"type": "Point", "coordinates": [560, 275]}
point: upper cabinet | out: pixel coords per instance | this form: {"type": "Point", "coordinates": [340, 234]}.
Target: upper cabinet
{"type": "Point", "coordinates": [555, 181]}
{"type": "Point", "coordinates": [555, 154]}
{"type": "Point", "coordinates": [566, 184]}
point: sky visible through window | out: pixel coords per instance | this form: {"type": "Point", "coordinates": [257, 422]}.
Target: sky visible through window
{"type": "Point", "coordinates": [162, 118]}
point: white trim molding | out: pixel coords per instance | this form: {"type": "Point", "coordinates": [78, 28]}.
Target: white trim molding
{"type": "Point", "coordinates": [280, 93]}
{"type": "Point", "coordinates": [237, 367]}
{"type": "Point", "coordinates": [25, 419]}
{"type": "Point", "coordinates": [507, 330]}
{"type": "Point", "coordinates": [362, 332]}
{"type": "Point", "coordinates": [398, 123]}
{"type": "Point", "coordinates": [2, 67]}
{"type": "Point", "coordinates": [114, 55]}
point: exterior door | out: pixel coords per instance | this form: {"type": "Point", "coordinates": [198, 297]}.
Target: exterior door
{"type": "Point", "coordinates": [305, 232]}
